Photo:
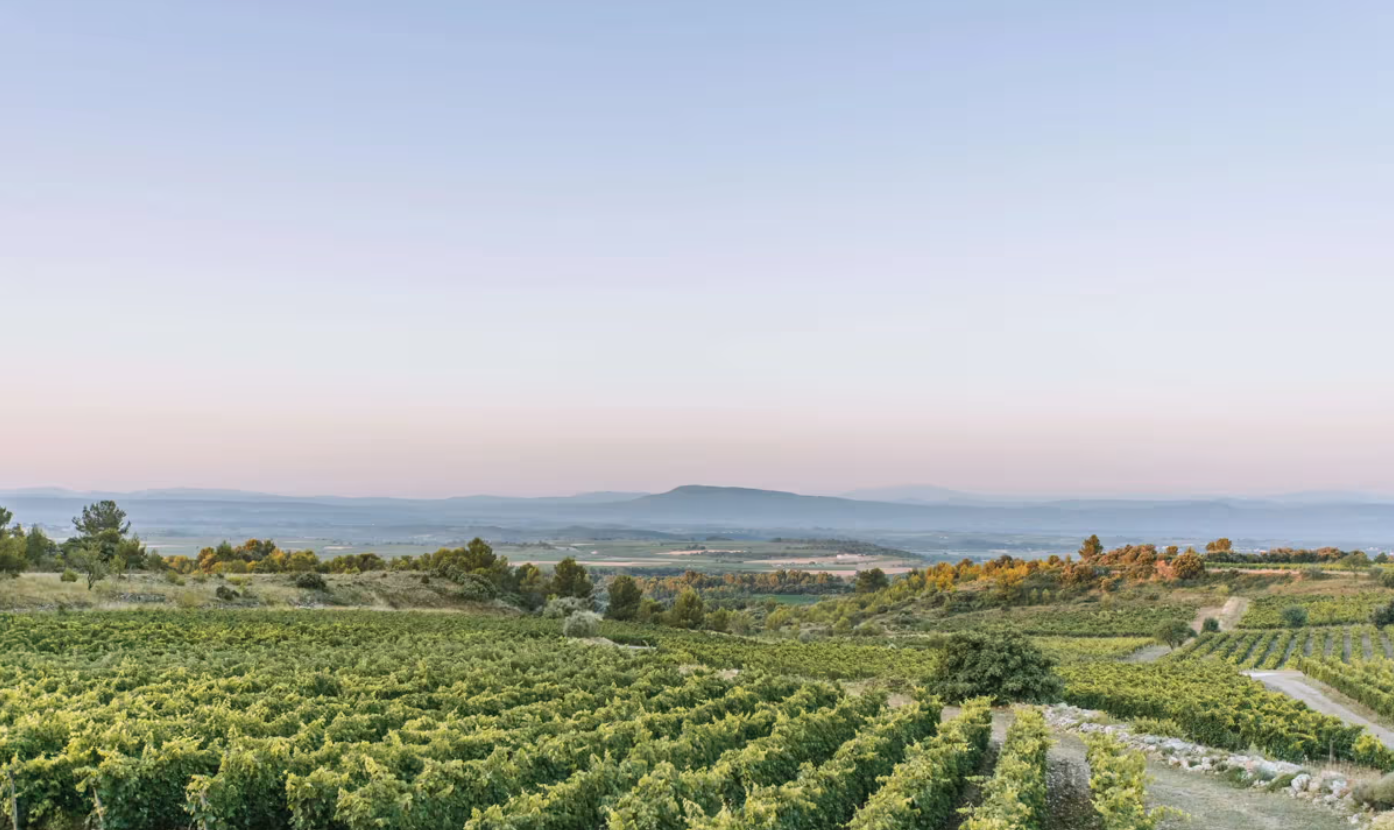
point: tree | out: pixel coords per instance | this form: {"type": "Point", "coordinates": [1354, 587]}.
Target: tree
{"type": "Point", "coordinates": [1003, 665]}
{"type": "Point", "coordinates": [569, 579]}
{"type": "Point", "coordinates": [1188, 566]}
{"type": "Point", "coordinates": [99, 518]}
{"type": "Point", "coordinates": [1294, 616]}
{"type": "Point", "coordinates": [102, 530]}
{"type": "Point", "coordinates": [532, 585]}
{"type": "Point", "coordinates": [88, 561]}
{"type": "Point", "coordinates": [39, 549]}
{"type": "Point", "coordinates": [1210, 626]}
{"type": "Point", "coordinates": [1174, 633]}
{"type": "Point", "coordinates": [1220, 545]}
{"type": "Point", "coordinates": [719, 620]}
{"type": "Point", "coordinates": [871, 581]}
{"type": "Point", "coordinates": [687, 611]}
{"type": "Point", "coordinates": [13, 560]}
{"type": "Point", "coordinates": [625, 595]}
{"type": "Point", "coordinates": [5, 518]}
{"type": "Point", "coordinates": [1091, 548]}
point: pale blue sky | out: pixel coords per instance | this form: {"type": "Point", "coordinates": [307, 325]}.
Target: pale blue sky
{"type": "Point", "coordinates": [431, 248]}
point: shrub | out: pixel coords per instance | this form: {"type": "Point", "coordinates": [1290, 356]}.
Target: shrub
{"type": "Point", "coordinates": [1003, 665]}
{"type": "Point", "coordinates": [1371, 752]}
{"type": "Point", "coordinates": [1163, 727]}
{"type": "Point", "coordinates": [561, 607]}
{"type": "Point", "coordinates": [1210, 626]}
{"type": "Point", "coordinates": [173, 578]}
{"type": "Point", "coordinates": [69, 575]}
{"type": "Point", "coordinates": [581, 624]}
{"type": "Point", "coordinates": [1294, 616]}
{"type": "Point", "coordinates": [310, 581]}
{"type": "Point", "coordinates": [1378, 794]}
{"type": "Point", "coordinates": [1173, 633]}
{"type": "Point", "coordinates": [1383, 615]}
{"type": "Point", "coordinates": [225, 593]}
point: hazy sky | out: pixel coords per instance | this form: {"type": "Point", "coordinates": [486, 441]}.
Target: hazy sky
{"type": "Point", "coordinates": [435, 248]}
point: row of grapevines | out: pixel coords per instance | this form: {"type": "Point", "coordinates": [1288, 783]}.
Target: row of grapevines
{"type": "Point", "coordinates": [666, 795]}
{"type": "Point", "coordinates": [1015, 797]}
{"type": "Point", "coordinates": [1086, 620]}
{"type": "Point", "coordinates": [1118, 784]}
{"type": "Point", "coordinates": [1091, 649]}
{"type": "Point", "coordinates": [923, 790]}
{"type": "Point", "coordinates": [1214, 704]}
{"type": "Point", "coordinates": [826, 796]}
{"type": "Point", "coordinates": [1369, 682]}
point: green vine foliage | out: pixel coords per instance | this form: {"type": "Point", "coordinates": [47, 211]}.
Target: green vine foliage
{"type": "Point", "coordinates": [1118, 783]}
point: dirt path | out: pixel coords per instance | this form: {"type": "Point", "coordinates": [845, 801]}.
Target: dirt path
{"type": "Point", "coordinates": [1210, 801]}
{"type": "Point", "coordinates": [1296, 684]}
{"type": "Point", "coordinates": [1148, 654]}
{"type": "Point", "coordinates": [1228, 615]}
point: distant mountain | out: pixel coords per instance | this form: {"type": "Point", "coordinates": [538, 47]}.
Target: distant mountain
{"type": "Point", "coordinates": [1308, 519]}
{"type": "Point", "coordinates": [916, 494]}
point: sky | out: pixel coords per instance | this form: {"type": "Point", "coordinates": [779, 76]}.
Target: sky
{"type": "Point", "coordinates": [439, 248]}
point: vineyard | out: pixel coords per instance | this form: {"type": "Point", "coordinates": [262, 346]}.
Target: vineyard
{"type": "Point", "coordinates": [357, 720]}
{"type": "Point", "coordinates": [1092, 620]}
{"type": "Point", "coordinates": [1284, 648]}
{"type": "Point", "coordinates": [1266, 611]}
{"type": "Point", "coordinates": [224, 720]}
{"type": "Point", "coordinates": [1215, 705]}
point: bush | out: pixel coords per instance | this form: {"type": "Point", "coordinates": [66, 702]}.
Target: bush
{"type": "Point", "coordinates": [1210, 626]}
{"type": "Point", "coordinates": [1383, 615]}
{"type": "Point", "coordinates": [561, 607]}
{"type": "Point", "coordinates": [1378, 794]}
{"type": "Point", "coordinates": [1294, 616]}
{"type": "Point", "coordinates": [225, 593]}
{"type": "Point", "coordinates": [1174, 633]}
{"type": "Point", "coordinates": [1003, 665]}
{"type": "Point", "coordinates": [69, 575]}
{"type": "Point", "coordinates": [310, 581]}
{"type": "Point", "coordinates": [581, 624]}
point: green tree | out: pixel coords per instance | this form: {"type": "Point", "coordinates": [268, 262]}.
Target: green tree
{"type": "Point", "coordinates": [13, 560]}
{"type": "Point", "coordinates": [1174, 633]}
{"type": "Point", "coordinates": [871, 581]}
{"type": "Point", "coordinates": [1091, 548]}
{"type": "Point", "coordinates": [532, 585]}
{"type": "Point", "coordinates": [688, 611]}
{"type": "Point", "coordinates": [104, 531]}
{"type": "Point", "coordinates": [89, 562]}
{"type": "Point", "coordinates": [5, 518]}
{"type": "Point", "coordinates": [569, 579]}
{"type": "Point", "coordinates": [1003, 665]}
{"type": "Point", "coordinates": [40, 550]}
{"type": "Point", "coordinates": [1210, 626]}
{"type": "Point", "coordinates": [1294, 616]}
{"type": "Point", "coordinates": [625, 596]}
